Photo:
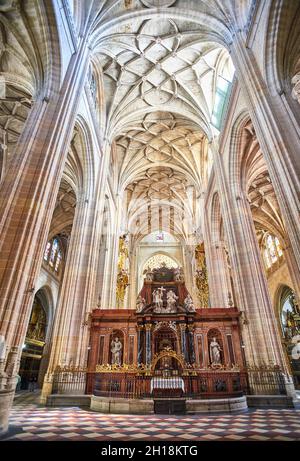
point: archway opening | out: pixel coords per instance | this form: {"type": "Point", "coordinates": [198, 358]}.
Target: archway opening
{"type": "Point", "coordinates": [158, 260]}
{"type": "Point", "coordinates": [34, 344]}
{"type": "Point", "coordinates": [154, 250]}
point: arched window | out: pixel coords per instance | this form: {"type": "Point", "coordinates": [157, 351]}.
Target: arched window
{"type": "Point", "coordinates": [92, 84]}
{"type": "Point", "coordinates": [47, 251]}
{"type": "Point", "coordinates": [272, 251]}
{"type": "Point", "coordinates": [53, 254]}
{"type": "Point", "coordinates": [54, 251]}
{"type": "Point", "coordinates": [58, 261]}
{"type": "Point", "coordinates": [278, 247]}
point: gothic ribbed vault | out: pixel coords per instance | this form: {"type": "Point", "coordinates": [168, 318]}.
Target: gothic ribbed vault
{"type": "Point", "coordinates": [162, 79]}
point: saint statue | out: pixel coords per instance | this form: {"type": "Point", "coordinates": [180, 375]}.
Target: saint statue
{"type": "Point", "coordinates": [189, 304]}
{"type": "Point", "coordinates": [215, 352]}
{"type": "Point", "coordinates": [171, 301]}
{"type": "Point", "coordinates": [156, 301]}
{"type": "Point", "coordinates": [200, 255]}
{"type": "Point", "coordinates": [123, 245]}
{"type": "Point", "coordinates": [149, 274]}
{"type": "Point", "coordinates": [122, 284]}
{"type": "Point", "coordinates": [116, 351]}
{"type": "Point", "coordinates": [155, 297]}
{"type": "Point", "coordinates": [296, 347]}
{"type": "Point", "coordinates": [178, 275]}
{"type": "Point", "coordinates": [158, 298]}
{"type": "Point", "coordinates": [140, 303]}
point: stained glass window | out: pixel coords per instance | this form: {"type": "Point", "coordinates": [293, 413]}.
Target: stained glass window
{"type": "Point", "coordinates": [267, 258]}
{"type": "Point", "coordinates": [223, 88]}
{"type": "Point", "coordinates": [53, 254]}
{"type": "Point", "coordinates": [54, 250]}
{"type": "Point", "coordinates": [58, 260]}
{"type": "Point", "coordinates": [278, 246]}
{"type": "Point", "coordinates": [47, 251]}
{"type": "Point", "coordinates": [93, 84]}
{"type": "Point", "coordinates": [272, 250]}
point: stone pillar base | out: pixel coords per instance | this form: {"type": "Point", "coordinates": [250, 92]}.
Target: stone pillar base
{"type": "Point", "coordinates": [46, 391]}
{"type": "Point", "coordinates": [226, 405]}
{"type": "Point", "coordinates": [290, 388]}
{"type": "Point", "coordinates": [122, 406]}
{"type": "Point", "coordinates": [6, 400]}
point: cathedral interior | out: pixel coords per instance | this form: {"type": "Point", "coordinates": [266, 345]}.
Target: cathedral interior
{"type": "Point", "coordinates": [149, 211]}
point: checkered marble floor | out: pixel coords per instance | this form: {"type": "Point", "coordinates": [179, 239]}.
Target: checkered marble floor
{"type": "Point", "coordinates": [30, 421]}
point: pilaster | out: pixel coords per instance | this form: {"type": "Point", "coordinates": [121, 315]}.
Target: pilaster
{"type": "Point", "coordinates": [260, 333]}
{"type": "Point", "coordinates": [27, 200]}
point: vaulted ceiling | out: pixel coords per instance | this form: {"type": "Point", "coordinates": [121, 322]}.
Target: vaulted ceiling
{"type": "Point", "coordinates": [259, 188]}
{"type": "Point", "coordinates": [24, 68]}
{"type": "Point", "coordinates": [162, 139]}
{"type": "Point", "coordinates": [160, 81]}
{"type": "Point", "coordinates": [14, 109]}
{"type": "Point", "coordinates": [161, 64]}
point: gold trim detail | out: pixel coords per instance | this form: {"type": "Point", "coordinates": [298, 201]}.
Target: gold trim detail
{"type": "Point", "coordinates": [125, 368]}
{"type": "Point", "coordinates": [168, 352]}
{"type": "Point", "coordinates": [34, 342]}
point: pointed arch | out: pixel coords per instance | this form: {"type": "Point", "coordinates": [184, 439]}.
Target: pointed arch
{"type": "Point", "coordinates": [282, 46]}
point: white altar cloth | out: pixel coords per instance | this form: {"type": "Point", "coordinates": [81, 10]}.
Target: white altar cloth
{"type": "Point", "coordinates": [167, 383]}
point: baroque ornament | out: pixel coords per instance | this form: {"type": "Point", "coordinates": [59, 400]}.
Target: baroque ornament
{"type": "Point", "coordinates": [122, 284]}
{"type": "Point", "coordinates": [201, 276]}
{"type": "Point", "coordinates": [171, 324]}
{"type": "Point", "coordinates": [124, 368]}
{"type": "Point", "coordinates": [168, 352]}
{"type": "Point", "coordinates": [123, 276]}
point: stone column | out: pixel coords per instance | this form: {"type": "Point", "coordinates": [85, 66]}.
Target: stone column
{"type": "Point", "coordinates": [292, 268]}
{"type": "Point", "coordinates": [70, 338]}
{"type": "Point", "coordinates": [222, 274]}
{"type": "Point", "coordinates": [278, 134]}
{"type": "Point", "coordinates": [112, 287]}
{"type": "Point", "coordinates": [187, 258]}
{"type": "Point", "coordinates": [260, 333]}
{"type": "Point", "coordinates": [80, 288]}
{"type": "Point", "coordinates": [101, 267]}
{"type": "Point", "coordinates": [112, 282]}
{"type": "Point", "coordinates": [192, 357]}
{"type": "Point", "coordinates": [27, 200]}
{"type": "Point", "coordinates": [125, 346]}
{"type": "Point", "coordinates": [111, 265]}
{"type": "Point", "coordinates": [107, 274]}
{"type": "Point", "coordinates": [184, 349]}
{"type": "Point", "coordinates": [140, 344]}
{"type": "Point", "coordinates": [217, 270]}
{"type": "Point", "coordinates": [133, 273]}
{"type": "Point", "coordinates": [148, 327]}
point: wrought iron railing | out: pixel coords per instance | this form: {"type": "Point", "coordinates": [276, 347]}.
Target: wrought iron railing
{"type": "Point", "coordinates": [264, 380]}
{"type": "Point", "coordinates": [123, 385]}
{"type": "Point", "coordinates": [69, 381]}
{"type": "Point", "coordinates": [206, 385]}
